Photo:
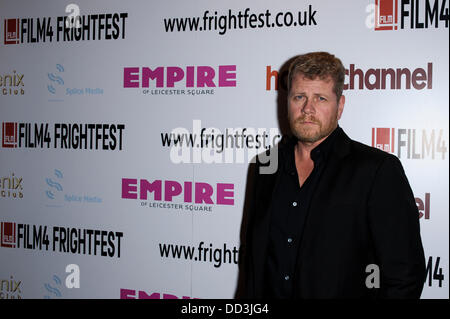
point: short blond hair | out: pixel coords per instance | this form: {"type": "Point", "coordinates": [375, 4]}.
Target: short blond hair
{"type": "Point", "coordinates": [320, 65]}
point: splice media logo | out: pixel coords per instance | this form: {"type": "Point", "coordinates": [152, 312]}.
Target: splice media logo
{"type": "Point", "coordinates": [60, 87]}
{"type": "Point", "coordinates": [55, 79]}
{"type": "Point", "coordinates": [55, 290]}
{"type": "Point", "coordinates": [58, 196]}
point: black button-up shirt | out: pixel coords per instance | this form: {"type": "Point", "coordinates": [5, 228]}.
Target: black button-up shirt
{"type": "Point", "coordinates": [289, 208]}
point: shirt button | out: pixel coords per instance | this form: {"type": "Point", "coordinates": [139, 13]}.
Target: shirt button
{"type": "Point", "coordinates": [294, 204]}
{"type": "Point", "coordinates": [286, 278]}
{"type": "Point", "coordinates": [289, 240]}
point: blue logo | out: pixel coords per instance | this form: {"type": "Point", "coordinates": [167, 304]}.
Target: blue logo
{"type": "Point", "coordinates": [54, 186]}
{"type": "Point", "coordinates": [56, 81]}
{"type": "Point", "coordinates": [59, 89]}
{"type": "Point", "coordinates": [57, 196]}
{"type": "Point", "coordinates": [54, 291]}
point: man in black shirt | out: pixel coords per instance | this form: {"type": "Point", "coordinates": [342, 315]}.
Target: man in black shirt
{"type": "Point", "coordinates": [333, 207]}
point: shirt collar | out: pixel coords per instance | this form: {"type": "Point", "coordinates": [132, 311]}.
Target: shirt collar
{"type": "Point", "coordinates": [319, 154]}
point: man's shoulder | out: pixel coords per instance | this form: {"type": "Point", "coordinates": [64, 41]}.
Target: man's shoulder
{"type": "Point", "coordinates": [352, 151]}
{"type": "Point", "coordinates": [369, 151]}
{"type": "Point", "coordinates": [370, 155]}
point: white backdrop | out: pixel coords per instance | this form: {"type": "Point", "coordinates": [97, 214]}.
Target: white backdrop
{"type": "Point", "coordinates": [146, 82]}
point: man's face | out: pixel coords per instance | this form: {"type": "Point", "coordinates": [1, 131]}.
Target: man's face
{"type": "Point", "coordinates": [313, 109]}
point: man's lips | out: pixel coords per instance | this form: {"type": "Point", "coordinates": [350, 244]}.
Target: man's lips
{"type": "Point", "coordinates": [308, 122]}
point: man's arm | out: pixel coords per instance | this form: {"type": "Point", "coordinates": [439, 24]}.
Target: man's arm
{"type": "Point", "coordinates": [245, 284]}
{"type": "Point", "coordinates": [394, 224]}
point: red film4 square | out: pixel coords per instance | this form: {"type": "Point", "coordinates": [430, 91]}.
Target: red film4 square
{"type": "Point", "coordinates": [9, 135]}
{"type": "Point", "coordinates": [386, 14]}
{"type": "Point", "coordinates": [11, 31]}
{"type": "Point", "coordinates": [8, 234]}
{"type": "Point", "coordinates": [383, 139]}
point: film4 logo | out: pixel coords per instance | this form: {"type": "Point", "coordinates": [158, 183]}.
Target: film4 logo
{"type": "Point", "coordinates": [412, 143]}
{"type": "Point", "coordinates": [8, 235]}
{"type": "Point", "coordinates": [434, 272]}
{"type": "Point", "coordinates": [411, 14]}
{"type": "Point", "coordinates": [70, 28]}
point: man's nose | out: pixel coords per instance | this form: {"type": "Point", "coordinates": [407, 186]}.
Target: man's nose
{"type": "Point", "coordinates": [308, 107]}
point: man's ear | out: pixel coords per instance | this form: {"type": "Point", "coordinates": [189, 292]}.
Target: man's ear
{"type": "Point", "coordinates": [341, 103]}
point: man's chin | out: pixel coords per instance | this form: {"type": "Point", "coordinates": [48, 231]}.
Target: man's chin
{"type": "Point", "coordinates": [312, 134]}
{"type": "Point", "coordinates": [308, 139]}
{"type": "Point", "coordinates": [306, 135]}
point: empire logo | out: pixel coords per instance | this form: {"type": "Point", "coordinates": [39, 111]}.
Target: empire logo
{"type": "Point", "coordinates": [415, 144]}
{"type": "Point", "coordinates": [203, 192]}
{"type": "Point", "coordinates": [414, 14]}
{"type": "Point", "coordinates": [12, 84]}
{"type": "Point", "coordinates": [174, 80]}
{"type": "Point", "coordinates": [93, 27]}
{"type": "Point", "coordinates": [178, 196]}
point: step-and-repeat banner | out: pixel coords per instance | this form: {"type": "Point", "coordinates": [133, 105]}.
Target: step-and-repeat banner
{"type": "Point", "coordinates": [127, 129]}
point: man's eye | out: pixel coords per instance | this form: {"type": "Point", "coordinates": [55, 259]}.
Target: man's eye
{"type": "Point", "coordinates": [321, 98]}
{"type": "Point", "coordinates": [299, 97]}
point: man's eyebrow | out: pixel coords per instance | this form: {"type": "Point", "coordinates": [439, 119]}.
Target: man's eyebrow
{"type": "Point", "coordinates": [316, 94]}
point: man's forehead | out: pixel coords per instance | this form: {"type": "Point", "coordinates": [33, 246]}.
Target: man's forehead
{"type": "Point", "coordinates": [304, 77]}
